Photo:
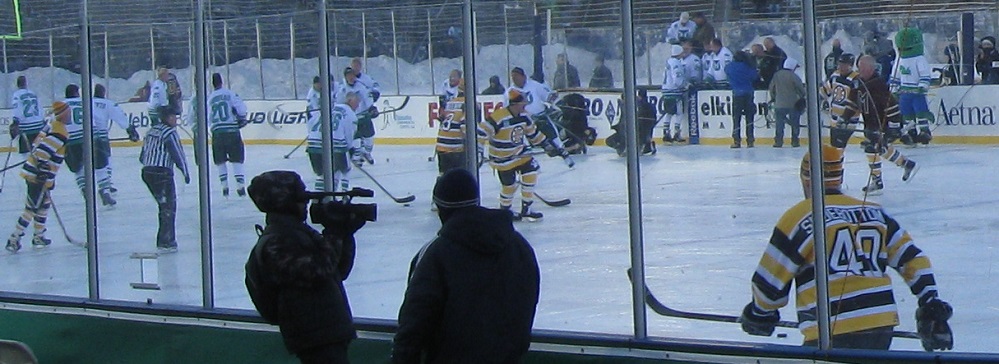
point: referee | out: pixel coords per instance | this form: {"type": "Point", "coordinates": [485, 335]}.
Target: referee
{"type": "Point", "coordinates": [161, 151]}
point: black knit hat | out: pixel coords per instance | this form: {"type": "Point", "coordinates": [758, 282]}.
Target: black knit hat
{"type": "Point", "coordinates": [277, 192]}
{"type": "Point", "coordinates": [457, 188]}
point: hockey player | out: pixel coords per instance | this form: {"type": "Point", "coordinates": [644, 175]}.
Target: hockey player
{"type": "Point", "coordinates": [449, 89]}
{"type": "Point", "coordinates": [158, 95]}
{"type": "Point", "coordinates": [451, 131]}
{"type": "Point", "coordinates": [911, 80]}
{"type": "Point", "coordinates": [863, 241]}
{"type": "Point", "coordinates": [840, 91]}
{"type": "Point", "coordinates": [74, 148]}
{"type": "Point", "coordinates": [714, 63]}
{"type": "Point", "coordinates": [692, 65]}
{"type": "Point", "coordinates": [681, 30]}
{"type": "Point", "coordinates": [313, 137]}
{"type": "Point", "coordinates": [364, 139]}
{"type": "Point", "coordinates": [39, 172]}
{"type": "Point", "coordinates": [227, 114]}
{"type": "Point", "coordinates": [342, 129]}
{"type": "Point", "coordinates": [538, 97]}
{"type": "Point", "coordinates": [508, 134]}
{"type": "Point", "coordinates": [674, 91]}
{"type": "Point", "coordinates": [106, 112]}
{"type": "Point", "coordinates": [27, 117]}
{"type": "Point", "coordinates": [882, 125]}
{"type": "Point", "coordinates": [374, 89]}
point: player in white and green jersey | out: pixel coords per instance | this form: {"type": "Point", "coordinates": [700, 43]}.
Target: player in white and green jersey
{"type": "Point", "coordinates": [74, 148]}
{"type": "Point", "coordinates": [28, 118]}
{"type": "Point", "coordinates": [366, 111]}
{"type": "Point", "coordinates": [342, 130]}
{"type": "Point", "coordinates": [106, 112]}
{"type": "Point", "coordinates": [227, 114]}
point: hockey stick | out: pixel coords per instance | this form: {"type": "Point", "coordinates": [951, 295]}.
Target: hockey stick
{"type": "Point", "coordinates": [553, 203]}
{"type": "Point", "coordinates": [62, 226]}
{"type": "Point", "coordinates": [3, 178]}
{"type": "Point", "coordinates": [661, 309]}
{"type": "Point", "coordinates": [403, 200]}
{"type": "Point", "coordinates": [296, 148]}
{"type": "Point", "coordinates": [12, 166]}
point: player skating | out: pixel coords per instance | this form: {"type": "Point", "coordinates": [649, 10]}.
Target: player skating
{"type": "Point", "coordinates": [450, 146]}
{"type": "Point", "coordinates": [74, 148]}
{"type": "Point", "coordinates": [39, 172]}
{"type": "Point", "coordinates": [28, 119]}
{"type": "Point", "coordinates": [674, 89]}
{"type": "Point", "coordinates": [106, 112]}
{"type": "Point", "coordinates": [882, 125]}
{"type": "Point", "coordinates": [366, 112]}
{"type": "Point", "coordinates": [863, 242]}
{"type": "Point", "coordinates": [342, 129]}
{"type": "Point", "coordinates": [538, 97]}
{"type": "Point", "coordinates": [508, 133]}
{"type": "Point", "coordinates": [841, 90]}
{"type": "Point", "coordinates": [366, 116]}
{"type": "Point", "coordinates": [911, 80]}
{"type": "Point", "coordinates": [227, 114]}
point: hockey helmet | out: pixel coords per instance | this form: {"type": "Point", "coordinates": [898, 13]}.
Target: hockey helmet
{"type": "Point", "coordinates": [832, 169]}
{"type": "Point", "coordinates": [278, 192]}
{"type": "Point", "coordinates": [910, 42]}
{"type": "Point", "coordinates": [515, 97]}
{"type": "Point", "coordinates": [847, 58]}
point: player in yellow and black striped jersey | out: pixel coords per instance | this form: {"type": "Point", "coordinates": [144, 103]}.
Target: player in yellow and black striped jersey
{"type": "Point", "coordinates": [863, 241]}
{"type": "Point", "coordinates": [509, 133]}
{"type": "Point", "coordinates": [841, 92]}
{"type": "Point", "coordinates": [451, 133]}
{"type": "Point", "coordinates": [39, 170]}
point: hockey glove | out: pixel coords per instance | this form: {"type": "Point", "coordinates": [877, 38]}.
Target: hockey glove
{"type": "Point", "coordinates": [931, 324]}
{"type": "Point", "coordinates": [133, 135]}
{"type": "Point", "coordinates": [373, 112]}
{"type": "Point", "coordinates": [758, 322]}
{"type": "Point", "coordinates": [241, 121]}
{"type": "Point", "coordinates": [375, 94]}
{"type": "Point", "coordinates": [15, 130]}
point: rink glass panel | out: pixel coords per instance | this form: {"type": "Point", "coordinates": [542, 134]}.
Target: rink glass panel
{"type": "Point", "coordinates": [708, 210]}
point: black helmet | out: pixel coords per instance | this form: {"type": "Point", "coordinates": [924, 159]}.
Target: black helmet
{"type": "Point", "coordinates": [847, 58]}
{"type": "Point", "coordinates": [278, 192]}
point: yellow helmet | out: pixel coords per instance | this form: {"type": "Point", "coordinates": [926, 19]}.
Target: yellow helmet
{"type": "Point", "coordinates": [832, 169]}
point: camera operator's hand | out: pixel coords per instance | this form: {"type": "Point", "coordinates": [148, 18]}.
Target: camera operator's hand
{"type": "Point", "coordinates": [347, 222]}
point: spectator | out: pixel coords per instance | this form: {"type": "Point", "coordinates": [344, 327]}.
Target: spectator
{"type": "Point", "coordinates": [987, 61]}
{"type": "Point", "coordinates": [495, 87]}
{"type": "Point", "coordinates": [566, 75]}
{"type": "Point", "coordinates": [860, 289]}
{"type": "Point", "coordinates": [704, 33]}
{"type": "Point", "coordinates": [681, 30]}
{"type": "Point", "coordinates": [757, 60]}
{"type": "Point", "coordinates": [142, 94]}
{"type": "Point", "coordinates": [473, 291]}
{"type": "Point", "coordinates": [602, 76]}
{"type": "Point", "coordinates": [883, 52]}
{"type": "Point", "coordinates": [773, 59]}
{"type": "Point", "coordinates": [295, 276]}
{"type": "Point", "coordinates": [833, 57]}
{"type": "Point", "coordinates": [788, 91]}
{"type": "Point", "coordinates": [741, 75]}
{"type": "Point", "coordinates": [951, 74]}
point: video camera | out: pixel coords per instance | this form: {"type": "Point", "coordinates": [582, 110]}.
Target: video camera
{"type": "Point", "coordinates": [341, 212]}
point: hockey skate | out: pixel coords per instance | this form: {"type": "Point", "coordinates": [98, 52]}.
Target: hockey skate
{"type": "Point", "coordinates": [528, 214]}
{"type": "Point", "coordinates": [677, 138]}
{"type": "Point", "coordinates": [225, 191]}
{"type": "Point", "coordinates": [368, 158]}
{"type": "Point", "coordinates": [40, 241]}
{"type": "Point", "coordinates": [875, 187]}
{"type": "Point", "coordinates": [924, 137]}
{"type": "Point", "coordinates": [513, 214]}
{"type": "Point", "coordinates": [667, 138]}
{"type": "Point", "coordinates": [14, 243]}
{"type": "Point", "coordinates": [166, 249]}
{"type": "Point", "coordinates": [649, 148]}
{"type": "Point", "coordinates": [910, 170]}
{"type": "Point", "coordinates": [241, 191]}
{"type": "Point", "coordinates": [107, 200]}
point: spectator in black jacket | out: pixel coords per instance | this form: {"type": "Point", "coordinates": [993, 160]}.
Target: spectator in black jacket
{"type": "Point", "coordinates": [832, 59]}
{"type": "Point", "coordinates": [495, 87]}
{"type": "Point", "coordinates": [987, 61]}
{"type": "Point", "coordinates": [295, 276]}
{"type": "Point", "coordinates": [772, 61]}
{"type": "Point", "coordinates": [566, 75]}
{"type": "Point", "coordinates": [473, 290]}
{"type": "Point", "coordinates": [602, 76]}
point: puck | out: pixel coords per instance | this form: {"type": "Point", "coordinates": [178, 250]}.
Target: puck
{"type": "Point", "coordinates": [782, 335]}
{"type": "Point", "coordinates": [430, 159]}
{"type": "Point", "coordinates": [405, 204]}
{"type": "Point", "coordinates": [149, 301]}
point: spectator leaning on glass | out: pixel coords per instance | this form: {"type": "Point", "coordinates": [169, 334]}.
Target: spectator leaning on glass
{"type": "Point", "coordinates": [832, 58]}
{"type": "Point", "coordinates": [602, 76]}
{"type": "Point", "coordinates": [566, 75]}
{"type": "Point", "coordinates": [987, 61]}
{"type": "Point", "coordinates": [473, 291]}
{"type": "Point", "coordinates": [295, 275]}
{"type": "Point", "coordinates": [741, 76]}
{"type": "Point", "coordinates": [788, 92]}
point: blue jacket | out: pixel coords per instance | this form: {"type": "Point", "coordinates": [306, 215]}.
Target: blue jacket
{"type": "Point", "coordinates": [741, 76]}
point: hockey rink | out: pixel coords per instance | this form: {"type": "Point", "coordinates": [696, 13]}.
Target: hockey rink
{"type": "Point", "coordinates": [708, 212]}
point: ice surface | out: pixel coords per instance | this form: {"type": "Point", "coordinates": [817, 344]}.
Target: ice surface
{"type": "Point", "coordinates": [708, 212]}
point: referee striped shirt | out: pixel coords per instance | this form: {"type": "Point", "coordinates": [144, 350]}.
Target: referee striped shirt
{"type": "Point", "coordinates": [161, 148]}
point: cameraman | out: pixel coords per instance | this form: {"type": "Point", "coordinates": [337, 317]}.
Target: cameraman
{"type": "Point", "coordinates": [295, 276]}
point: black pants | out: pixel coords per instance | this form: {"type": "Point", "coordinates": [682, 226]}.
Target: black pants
{"type": "Point", "coordinates": [227, 147]}
{"type": "Point", "coordinates": [743, 106]}
{"type": "Point", "coordinates": [335, 353]}
{"type": "Point", "coordinates": [159, 180]}
{"type": "Point", "coordinates": [876, 339]}
{"type": "Point", "coordinates": [25, 141]}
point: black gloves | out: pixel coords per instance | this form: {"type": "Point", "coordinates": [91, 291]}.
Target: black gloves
{"type": "Point", "coordinates": [344, 222]}
{"type": "Point", "coordinates": [133, 135]}
{"type": "Point", "coordinates": [375, 94]}
{"type": "Point", "coordinates": [373, 112]}
{"type": "Point", "coordinates": [757, 322]}
{"type": "Point", "coordinates": [15, 130]}
{"type": "Point", "coordinates": [931, 324]}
